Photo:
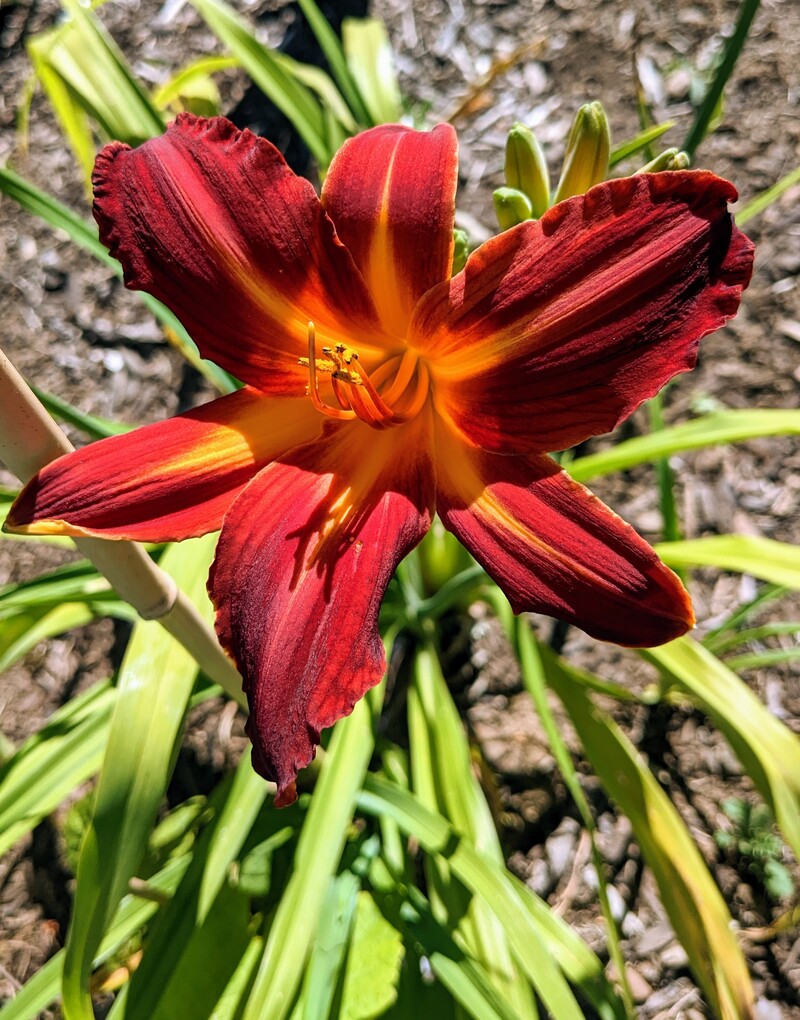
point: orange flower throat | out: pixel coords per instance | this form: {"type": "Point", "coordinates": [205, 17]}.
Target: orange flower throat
{"type": "Point", "coordinates": [375, 400]}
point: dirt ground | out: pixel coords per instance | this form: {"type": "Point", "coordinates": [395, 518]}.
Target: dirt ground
{"type": "Point", "coordinates": [71, 328]}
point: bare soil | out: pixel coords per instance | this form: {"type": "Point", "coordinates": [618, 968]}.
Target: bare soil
{"type": "Point", "coordinates": [71, 328]}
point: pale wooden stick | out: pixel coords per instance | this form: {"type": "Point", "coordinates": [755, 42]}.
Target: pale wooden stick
{"type": "Point", "coordinates": [30, 439]}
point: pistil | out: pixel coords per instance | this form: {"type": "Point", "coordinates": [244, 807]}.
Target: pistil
{"type": "Point", "coordinates": [313, 387]}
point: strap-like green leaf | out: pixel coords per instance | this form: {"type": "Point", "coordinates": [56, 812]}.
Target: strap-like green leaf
{"type": "Point", "coordinates": [765, 558]}
{"type": "Point", "coordinates": [693, 903]}
{"type": "Point", "coordinates": [484, 878]}
{"type": "Point", "coordinates": [733, 47]}
{"type": "Point", "coordinates": [22, 632]}
{"type": "Point", "coordinates": [372, 970]}
{"type": "Point", "coordinates": [763, 201]}
{"type": "Point", "coordinates": [318, 81]}
{"type": "Point", "coordinates": [464, 978]}
{"type": "Point", "coordinates": [94, 426]}
{"type": "Point", "coordinates": [711, 430]}
{"type": "Point", "coordinates": [770, 657]}
{"type": "Point", "coordinates": [75, 122]}
{"type": "Point", "coordinates": [316, 859]}
{"type": "Point", "coordinates": [229, 1006]}
{"type": "Point", "coordinates": [185, 79]}
{"type": "Point", "coordinates": [73, 582]}
{"type": "Point", "coordinates": [533, 676]}
{"type": "Point", "coordinates": [369, 57]}
{"type": "Point", "coordinates": [725, 640]}
{"type": "Point", "coordinates": [769, 751]}
{"type": "Point", "coordinates": [155, 683]}
{"type": "Point", "coordinates": [194, 945]}
{"type": "Point", "coordinates": [334, 54]}
{"type": "Point", "coordinates": [326, 963]}
{"type": "Point", "coordinates": [54, 762]}
{"type": "Point", "coordinates": [88, 81]}
{"type": "Point", "coordinates": [38, 202]}
{"type": "Point", "coordinates": [43, 988]}
{"type": "Point", "coordinates": [291, 97]}
{"type": "Point", "coordinates": [445, 783]}
{"type": "Point", "coordinates": [638, 142]}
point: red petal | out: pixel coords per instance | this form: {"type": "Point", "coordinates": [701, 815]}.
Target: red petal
{"type": "Point", "coordinates": [556, 331]}
{"type": "Point", "coordinates": [391, 193]}
{"type": "Point", "coordinates": [212, 221]}
{"type": "Point", "coordinates": [298, 589]}
{"type": "Point", "coordinates": [554, 548]}
{"type": "Point", "coordinates": [172, 480]}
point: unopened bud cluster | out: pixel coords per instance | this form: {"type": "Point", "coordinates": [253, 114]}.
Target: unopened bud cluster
{"type": "Point", "coordinates": [526, 194]}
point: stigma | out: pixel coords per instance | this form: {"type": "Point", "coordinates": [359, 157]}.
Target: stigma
{"type": "Point", "coordinates": [394, 394]}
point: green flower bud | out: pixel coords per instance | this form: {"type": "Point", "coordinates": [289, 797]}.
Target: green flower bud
{"type": "Point", "coordinates": [669, 159]}
{"type": "Point", "coordinates": [588, 149]}
{"type": "Point", "coordinates": [511, 207]}
{"type": "Point", "coordinates": [460, 250]}
{"type": "Point", "coordinates": [526, 168]}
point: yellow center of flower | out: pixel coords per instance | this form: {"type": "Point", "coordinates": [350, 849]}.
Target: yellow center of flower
{"type": "Point", "coordinates": [395, 393]}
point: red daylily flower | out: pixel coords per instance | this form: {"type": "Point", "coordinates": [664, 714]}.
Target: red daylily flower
{"type": "Point", "coordinates": [410, 393]}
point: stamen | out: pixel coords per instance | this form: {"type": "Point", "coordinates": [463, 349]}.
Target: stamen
{"type": "Point", "coordinates": [366, 410]}
{"type": "Point", "coordinates": [357, 394]}
{"type": "Point", "coordinates": [385, 370]}
{"type": "Point", "coordinates": [381, 407]}
{"type": "Point", "coordinates": [340, 392]}
{"type": "Point", "coordinates": [404, 372]}
{"type": "Point", "coordinates": [420, 393]}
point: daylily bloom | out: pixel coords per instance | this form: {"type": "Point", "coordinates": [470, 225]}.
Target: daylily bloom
{"type": "Point", "coordinates": [379, 391]}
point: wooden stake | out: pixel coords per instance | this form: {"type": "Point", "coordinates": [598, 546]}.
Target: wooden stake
{"type": "Point", "coordinates": [30, 439]}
